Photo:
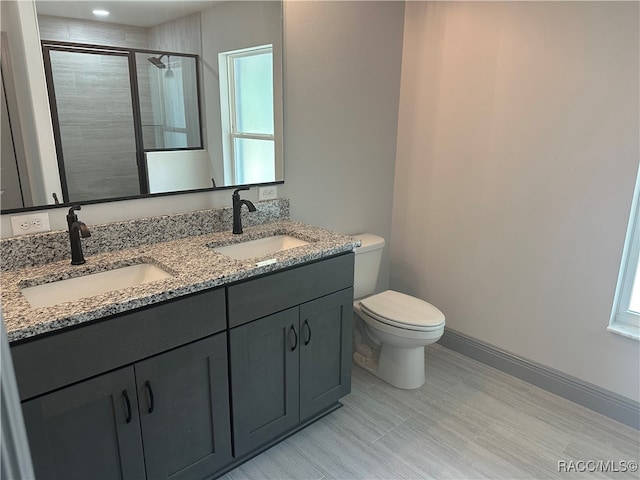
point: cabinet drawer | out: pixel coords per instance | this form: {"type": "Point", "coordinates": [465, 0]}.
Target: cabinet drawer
{"type": "Point", "coordinates": [52, 362]}
{"type": "Point", "coordinates": [263, 296]}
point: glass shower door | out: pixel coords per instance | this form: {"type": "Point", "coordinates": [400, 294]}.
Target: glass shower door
{"type": "Point", "coordinates": [93, 114]}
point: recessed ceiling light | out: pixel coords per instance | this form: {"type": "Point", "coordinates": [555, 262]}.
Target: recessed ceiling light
{"type": "Point", "coordinates": [100, 13]}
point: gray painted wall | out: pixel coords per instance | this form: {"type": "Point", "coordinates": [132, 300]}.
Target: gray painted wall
{"type": "Point", "coordinates": [342, 74]}
{"type": "Point", "coordinates": [518, 147]}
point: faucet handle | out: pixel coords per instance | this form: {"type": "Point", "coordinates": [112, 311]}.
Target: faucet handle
{"type": "Point", "coordinates": [71, 216]}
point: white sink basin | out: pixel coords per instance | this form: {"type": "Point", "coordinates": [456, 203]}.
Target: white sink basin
{"type": "Point", "coordinates": [260, 247]}
{"type": "Point", "coordinates": [49, 294]}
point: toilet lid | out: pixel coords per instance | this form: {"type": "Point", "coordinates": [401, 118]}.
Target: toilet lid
{"type": "Point", "coordinates": [400, 310]}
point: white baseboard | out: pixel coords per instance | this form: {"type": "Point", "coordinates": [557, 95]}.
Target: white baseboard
{"type": "Point", "coordinates": [598, 399]}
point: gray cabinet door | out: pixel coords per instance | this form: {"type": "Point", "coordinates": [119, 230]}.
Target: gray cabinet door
{"type": "Point", "coordinates": [325, 351]}
{"type": "Point", "coordinates": [264, 379]}
{"type": "Point", "coordinates": [90, 430]}
{"type": "Point", "coordinates": [184, 410]}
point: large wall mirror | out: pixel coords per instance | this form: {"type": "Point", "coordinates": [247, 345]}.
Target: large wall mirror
{"type": "Point", "coordinates": [155, 97]}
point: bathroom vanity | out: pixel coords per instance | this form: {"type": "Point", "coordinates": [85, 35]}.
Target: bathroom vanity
{"type": "Point", "coordinates": [203, 371]}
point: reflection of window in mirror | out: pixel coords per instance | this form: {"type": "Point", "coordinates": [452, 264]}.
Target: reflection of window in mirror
{"type": "Point", "coordinates": [246, 98]}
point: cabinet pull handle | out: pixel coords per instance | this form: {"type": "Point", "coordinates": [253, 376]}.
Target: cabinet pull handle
{"type": "Point", "coordinates": [306, 342]}
{"type": "Point", "coordinates": [150, 391]}
{"type": "Point", "coordinates": [295, 345]}
{"type": "Point", "coordinates": [126, 399]}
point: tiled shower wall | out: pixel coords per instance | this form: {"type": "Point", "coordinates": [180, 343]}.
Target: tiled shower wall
{"type": "Point", "coordinates": [95, 114]}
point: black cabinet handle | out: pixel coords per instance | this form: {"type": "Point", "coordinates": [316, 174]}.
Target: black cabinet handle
{"type": "Point", "coordinates": [295, 345]}
{"type": "Point", "coordinates": [126, 399]}
{"type": "Point", "coordinates": [150, 391]}
{"type": "Point", "coordinates": [306, 342]}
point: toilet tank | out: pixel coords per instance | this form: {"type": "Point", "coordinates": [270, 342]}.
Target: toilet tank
{"type": "Point", "coordinates": [367, 264]}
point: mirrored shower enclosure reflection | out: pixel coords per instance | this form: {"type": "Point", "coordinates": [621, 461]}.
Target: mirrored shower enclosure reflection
{"type": "Point", "coordinates": [168, 94]}
{"type": "Point", "coordinates": [109, 107]}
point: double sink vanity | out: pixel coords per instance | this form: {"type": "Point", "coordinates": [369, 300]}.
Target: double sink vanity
{"type": "Point", "coordinates": [179, 358]}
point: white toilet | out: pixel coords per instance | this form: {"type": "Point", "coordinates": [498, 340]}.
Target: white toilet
{"type": "Point", "coordinates": [390, 329]}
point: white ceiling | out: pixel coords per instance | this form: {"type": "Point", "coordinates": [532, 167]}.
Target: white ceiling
{"type": "Point", "coordinates": [141, 13]}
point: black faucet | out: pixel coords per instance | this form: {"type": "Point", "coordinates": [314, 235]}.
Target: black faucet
{"type": "Point", "coordinates": [76, 230]}
{"type": "Point", "coordinates": [237, 205]}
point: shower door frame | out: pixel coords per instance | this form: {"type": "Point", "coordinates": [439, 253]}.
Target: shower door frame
{"type": "Point", "coordinates": [47, 47]}
{"type": "Point", "coordinates": [130, 53]}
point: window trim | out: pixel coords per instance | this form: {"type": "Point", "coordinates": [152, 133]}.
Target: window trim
{"type": "Point", "coordinates": [228, 111]}
{"type": "Point", "coordinates": [624, 321]}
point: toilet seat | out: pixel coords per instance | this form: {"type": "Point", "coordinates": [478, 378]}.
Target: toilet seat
{"type": "Point", "coordinates": [403, 311]}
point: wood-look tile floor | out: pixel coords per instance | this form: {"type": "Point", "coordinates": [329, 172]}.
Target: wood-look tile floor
{"type": "Point", "coordinates": [468, 421]}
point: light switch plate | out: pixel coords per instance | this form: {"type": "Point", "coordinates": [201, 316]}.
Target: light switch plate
{"type": "Point", "coordinates": [31, 223]}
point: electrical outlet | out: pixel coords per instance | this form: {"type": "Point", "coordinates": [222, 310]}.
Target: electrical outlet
{"type": "Point", "coordinates": [267, 193]}
{"type": "Point", "coordinates": [31, 223]}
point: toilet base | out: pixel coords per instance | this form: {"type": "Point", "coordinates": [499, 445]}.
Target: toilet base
{"type": "Point", "coordinates": [396, 360]}
{"type": "Point", "coordinates": [400, 367]}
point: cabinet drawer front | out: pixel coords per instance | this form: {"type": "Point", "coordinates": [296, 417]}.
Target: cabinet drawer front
{"type": "Point", "coordinates": [52, 362]}
{"type": "Point", "coordinates": [266, 295]}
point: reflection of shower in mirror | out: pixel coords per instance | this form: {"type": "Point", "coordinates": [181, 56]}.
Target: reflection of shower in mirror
{"type": "Point", "coordinates": [157, 61]}
{"type": "Point", "coordinates": [165, 101]}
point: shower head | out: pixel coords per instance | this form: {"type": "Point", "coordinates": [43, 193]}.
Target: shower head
{"type": "Point", "coordinates": [157, 61]}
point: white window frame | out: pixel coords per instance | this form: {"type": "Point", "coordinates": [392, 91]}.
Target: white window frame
{"type": "Point", "coordinates": [623, 320]}
{"type": "Point", "coordinates": [228, 110]}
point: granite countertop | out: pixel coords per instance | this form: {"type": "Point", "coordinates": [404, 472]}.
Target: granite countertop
{"type": "Point", "coordinates": [192, 263]}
